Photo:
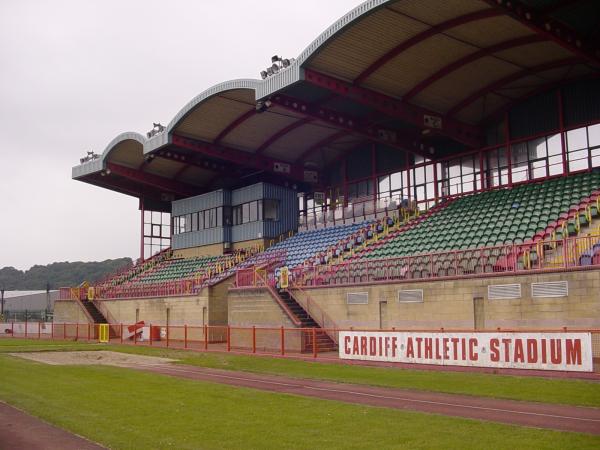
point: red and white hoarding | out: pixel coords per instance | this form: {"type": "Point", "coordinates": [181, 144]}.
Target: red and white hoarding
{"type": "Point", "coordinates": [540, 351]}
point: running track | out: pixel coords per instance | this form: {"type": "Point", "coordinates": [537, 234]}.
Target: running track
{"type": "Point", "coordinates": [539, 415]}
{"type": "Point", "coordinates": [20, 431]}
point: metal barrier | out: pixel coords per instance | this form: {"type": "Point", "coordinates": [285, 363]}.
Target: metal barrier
{"type": "Point", "coordinates": [279, 341]}
{"type": "Point", "coordinates": [577, 252]}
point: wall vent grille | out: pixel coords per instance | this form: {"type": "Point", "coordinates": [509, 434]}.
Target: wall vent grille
{"type": "Point", "coordinates": [550, 289]}
{"type": "Point", "coordinates": [411, 296]}
{"type": "Point", "coordinates": [504, 291]}
{"type": "Point", "coordinates": [357, 298]}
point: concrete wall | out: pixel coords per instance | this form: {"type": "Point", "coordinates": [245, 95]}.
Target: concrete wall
{"type": "Point", "coordinates": [450, 304]}
{"type": "Point", "coordinates": [190, 310]}
{"type": "Point", "coordinates": [69, 311]}
{"type": "Point", "coordinates": [249, 308]}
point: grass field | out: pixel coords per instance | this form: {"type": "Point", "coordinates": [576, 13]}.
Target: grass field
{"type": "Point", "coordinates": [564, 391]}
{"type": "Point", "coordinates": [125, 409]}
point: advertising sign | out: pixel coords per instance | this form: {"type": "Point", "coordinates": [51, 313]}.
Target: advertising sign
{"type": "Point", "coordinates": [540, 351]}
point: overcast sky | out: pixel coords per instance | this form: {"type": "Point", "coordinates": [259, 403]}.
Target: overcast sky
{"type": "Point", "coordinates": [74, 74]}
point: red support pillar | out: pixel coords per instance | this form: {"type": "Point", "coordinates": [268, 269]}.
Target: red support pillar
{"type": "Point", "coordinates": [88, 331]}
{"type": "Point", "coordinates": [561, 126]}
{"type": "Point", "coordinates": [39, 329]}
{"type": "Point", "coordinates": [185, 336]}
{"type": "Point", "coordinates": [51, 330]}
{"type": "Point", "coordinates": [282, 341]}
{"type": "Point", "coordinates": [77, 331]}
{"type": "Point", "coordinates": [374, 176]}
{"type": "Point", "coordinates": [121, 333]}
{"type": "Point", "coordinates": [481, 171]}
{"type": "Point", "coordinates": [436, 193]}
{"type": "Point", "coordinates": [407, 159]}
{"type": "Point", "coordinates": [253, 339]}
{"type": "Point", "coordinates": [205, 337]}
{"type": "Point", "coordinates": [64, 330]}
{"type": "Point", "coordinates": [142, 229]}
{"type": "Point", "coordinates": [25, 323]}
{"type": "Point", "coordinates": [167, 335]}
{"type": "Point", "coordinates": [508, 149]}
{"type": "Point", "coordinates": [228, 338]}
{"type": "Point", "coordinates": [150, 333]}
{"type": "Point", "coordinates": [314, 342]}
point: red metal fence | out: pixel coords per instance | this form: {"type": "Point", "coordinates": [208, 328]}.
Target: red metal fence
{"type": "Point", "coordinates": [280, 341]}
{"type": "Point", "coordinates": [547, 255]}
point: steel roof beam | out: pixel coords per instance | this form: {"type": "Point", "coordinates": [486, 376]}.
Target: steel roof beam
{"type": "Point", "coordinates": [233, 125]}
{"type": "Point", "coordinates": [319, 145]}
{"type": "Point", "coordinates": [488, 51]}
{"type": "Point", "coordinates": [509, 79]}
{"type": "Point", "coordinates": [352, 125]}
{"type": "Point", "coordinates": [550, 28]}
{"type": "Point", "coordinates": [281, 133]}
{"type": "Point", "coordinates": [175, 187]}
{"type": "Point", "coordinates": [429, 32]}
{"type": "Point", "coordinates": [241, 157]}
{"type": "Point", "coordinates": [412, 114]}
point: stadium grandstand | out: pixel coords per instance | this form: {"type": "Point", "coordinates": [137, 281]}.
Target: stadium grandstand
{"type": "Point", "coordinates": [421, 164]}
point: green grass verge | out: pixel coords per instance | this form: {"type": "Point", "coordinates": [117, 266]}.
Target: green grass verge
{"type": "Point", "coordinates": [527, 388]}
{"type": "Point", "coordinates": [125, 409]}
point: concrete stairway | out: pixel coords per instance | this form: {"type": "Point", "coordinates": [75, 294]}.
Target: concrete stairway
{"type": "Point", "coordinates": [323, 342]}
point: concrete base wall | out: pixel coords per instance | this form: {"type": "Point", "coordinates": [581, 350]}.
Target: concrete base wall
{"type": "Point", "coordinates": [450, 304]}
{"type": "Point", "coordinates": [69, 311]}
{"type": "Point", "coordinates": [256, 307]}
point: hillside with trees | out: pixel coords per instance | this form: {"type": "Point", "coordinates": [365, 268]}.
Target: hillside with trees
{"type": "Point", "coordinates": [59, 274]}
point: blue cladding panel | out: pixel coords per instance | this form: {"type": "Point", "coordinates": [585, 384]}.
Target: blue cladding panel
{"type": "Point", "coordinates": [200, 202]}
{"type": "Point", "coordinates": [288, 215]}
{"type": "Point", "coordinates": [197, 238]}
{"type": "Point", "coordinates": [288, 211]}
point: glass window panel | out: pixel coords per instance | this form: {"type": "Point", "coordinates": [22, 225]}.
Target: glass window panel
{"type": "Point", "coordinates": [420, 192]}
{"type": "Point", "coordinates": [245, 212]}
{"type": "Point", "coordinates": [554, 145]}
{"type": "Point", "coordinates": [537, 148]}
{"type": "Point", "coordinates": [188, 223]}
{"type": "Point", "coordinates": [147, 229]}
{"type": "Point", "coordinates": [578, 160]}
{"type": "Point", "coordinates": [419, 175]}
{"type": "Point", "coordinates": [384, 184]}
{"type": "Point", "coordinates": [166, 230]}
{"type": "Point", "coordinates": [396, 180]}
{"type": "Point", "coordinates": [156, 217]}
{"type": "Point", "coordinates": [253, 211]}
{"type": "Point", "coordinates": [195, 222]}
{"type": "Point", "coordinates": [156, 230]}
{"type": "Point", "coordinates": [595, 157]}
{"type": "Point", "coordinates": [577, 139]}
{"type": "Point", "coordinates": [219, 217]}
{"type": "Point", "coordinates": [594, 135]}
{"type": "Point", "coordinates": [555, 165]}
{"type": "Point", "coordinates": [519, 152]}
{"type": "Point", "coordinates": [538, 168]}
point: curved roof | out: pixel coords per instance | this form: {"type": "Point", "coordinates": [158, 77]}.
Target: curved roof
{"type": "Point", "coordinates": [410, 75]}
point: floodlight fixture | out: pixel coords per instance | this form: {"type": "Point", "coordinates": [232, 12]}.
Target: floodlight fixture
{"type": "Point", "coordinates": [263, 74]}
{"type": "Point", "coordinates": [275, 68]}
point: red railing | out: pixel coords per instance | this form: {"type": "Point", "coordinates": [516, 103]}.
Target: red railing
{"type": "Point", "coordinates": [315, 311]}
{"type": "Point", "coordinates": [549, 255]}
{"type": "Point", "coordinates": [280, 341]}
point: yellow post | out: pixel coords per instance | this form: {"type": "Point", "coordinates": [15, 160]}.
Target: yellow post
{"type": "Point", "coordinates": [103, 336]}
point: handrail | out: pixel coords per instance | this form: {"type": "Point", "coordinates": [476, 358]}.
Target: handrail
{"type": "Point", "coordinates": [506, 260]}
{"type": "Point", "coordinates": [280, 302]}
{"type": "Point", "coordinates": [321, 317]}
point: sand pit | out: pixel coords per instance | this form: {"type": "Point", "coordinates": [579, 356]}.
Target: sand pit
{"type": "Point", "coordinates": [93, 358]}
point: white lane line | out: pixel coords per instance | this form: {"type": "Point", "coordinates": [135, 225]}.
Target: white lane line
{"type": "Point", "coordinates": [364, 394]}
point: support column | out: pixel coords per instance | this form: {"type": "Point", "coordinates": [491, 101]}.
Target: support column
{"type": "Point", "coordinates": [142, 229]}
{"type": "Point", "coordinates": [561, 127]}
{"type": "Point", "coordinates": [508, 149]}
